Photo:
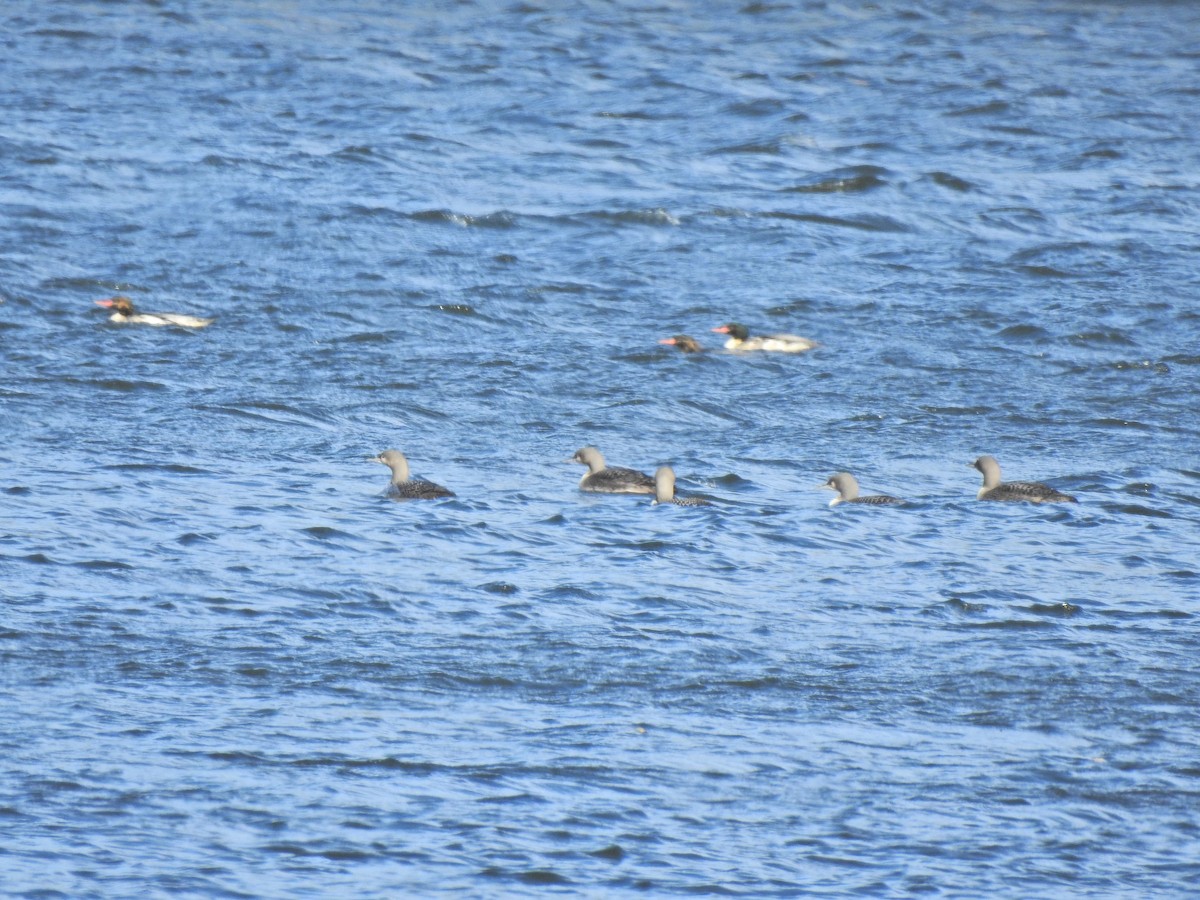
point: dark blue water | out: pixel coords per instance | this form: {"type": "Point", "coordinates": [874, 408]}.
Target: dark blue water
{"type": "Point", "coordinates": [232, 667]}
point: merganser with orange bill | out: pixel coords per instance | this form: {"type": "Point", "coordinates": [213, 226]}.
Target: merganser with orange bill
{"type": "Point", "coordinates": [604, 479]}
{"type": "Point", "coordinates": [1027, 491]}
{"type": "Point", "coordinates": [664, 490]}
{"type": "Point", "coordinates": [846, 486]}
{"type": "Point", "coordinates": [683, 343]}
{"type": "Point", "coordinates": [740, 339]}
{"type": "Point", "coordinates": [123, 312]}
{"type": "Point", "coordinates": [404, 487]}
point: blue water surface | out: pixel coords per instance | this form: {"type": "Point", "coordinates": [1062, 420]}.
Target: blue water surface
{"type": "Point", "coordinates": [232, 667]}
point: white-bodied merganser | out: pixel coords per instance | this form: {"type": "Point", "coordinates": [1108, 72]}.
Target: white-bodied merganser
{"type": "Point", "coordinates": [739, 339]}
{"type": "Point", "coordinates": [123, 311]}
{"type": "Point", "coordinates": [664, 490]}
{"type": "Point", "coordinates": [603, 479]}
{"type": "Point", "coordinates": [1028, 491]}
{"type": "Point", "coordinates": [683, 343]}
{"type": "Point", "coordinates": [846, 486]}
{"type": "Point", "coordinates": [403, 487]}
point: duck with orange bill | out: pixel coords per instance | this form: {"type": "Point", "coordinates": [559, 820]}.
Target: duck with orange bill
{"type": "Point", "coordinates": [740, 339]}
{"type": "Point", "coordinates": [125, 313]}
{"type": "Point", "coordinates": [683, 343]}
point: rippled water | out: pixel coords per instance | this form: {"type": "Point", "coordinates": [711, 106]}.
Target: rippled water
{"type": "Point", "coordinates": [232, 667]}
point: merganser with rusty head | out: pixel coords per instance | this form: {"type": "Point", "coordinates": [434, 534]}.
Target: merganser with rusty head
{"type": "Point", "coordinates": [664, 490]}
{"type": "Point", "coordinates": [604, 479]}
{"type": "Point", "coordinates": [123, 311]}
{"type": "Point", "coordinates": [683, 343]}
{"type": "Point", "coordinates": [846, 486]}
{"type": "Point", "coordinates": [402, 486]}
{"type": "Point", "coordinates": [740, 339]}
{"type": "Point", "coordinates": [1014, 491]}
